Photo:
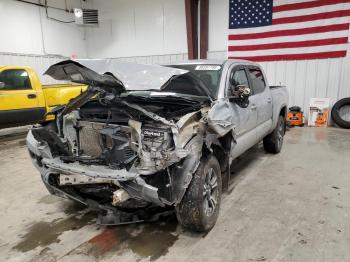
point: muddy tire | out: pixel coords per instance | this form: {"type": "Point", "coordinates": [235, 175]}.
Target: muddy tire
{"type": "Point", "coordinates": [274, 141]}
{"type": "Point", "coordinates": [199, 208]}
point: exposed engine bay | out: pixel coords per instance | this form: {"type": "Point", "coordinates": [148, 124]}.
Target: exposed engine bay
{"type": "Point", "coordinates": [123, 151]}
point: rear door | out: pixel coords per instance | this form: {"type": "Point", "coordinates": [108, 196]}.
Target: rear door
{"type": "Point", "coordinates": [246, 118]}
{"type": "Point", "coordinates": [262, 99]}
{"type": "Point", "coordinates": [18, 100]}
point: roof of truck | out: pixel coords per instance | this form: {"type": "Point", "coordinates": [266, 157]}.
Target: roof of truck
{"type": "Point", "coordinates": [212, 62]}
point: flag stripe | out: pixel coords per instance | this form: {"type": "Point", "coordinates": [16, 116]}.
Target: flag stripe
{"type": "Point", "coordinates": [319, 55]}
{"type": "Point", "coordinates": [330, 21]}
{"type": "Point", "coordinates": [331, 41]}
{"type": "Point", "coordinates": [312, 11]}
{"type": "Point", "coordinates": [296, 50]}
{"type": "Point", "coordinates": [305, 18]}
{"type": "Point", "coordinates": [290, 38]}
{"type": "Point", "coordinates": [305, 5]}
{"type": "Point", "coordinates": [285, 2]}
{"type": "Point", "coordinates": [288, 32]}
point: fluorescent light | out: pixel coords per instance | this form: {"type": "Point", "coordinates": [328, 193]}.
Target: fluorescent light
{"type": "Point", "coordinates": [78, 12]}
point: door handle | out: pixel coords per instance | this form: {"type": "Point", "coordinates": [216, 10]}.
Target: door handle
{"type": "Point", "coordinates": [31, 96]}
{"type": "Point", "coordinates": [253, 107]}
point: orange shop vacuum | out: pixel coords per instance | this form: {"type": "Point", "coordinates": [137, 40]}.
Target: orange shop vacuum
{"type": "Point", "coordinates": [295, 117]}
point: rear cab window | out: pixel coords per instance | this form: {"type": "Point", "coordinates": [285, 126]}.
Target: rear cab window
{"type": "Point", "coordinates": [14, 79]}
{"type": "Point", "coordinates": [257, 79]}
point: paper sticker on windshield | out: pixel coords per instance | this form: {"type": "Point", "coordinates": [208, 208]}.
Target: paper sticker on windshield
{"type": "Point", "coordinates": [208, 67]}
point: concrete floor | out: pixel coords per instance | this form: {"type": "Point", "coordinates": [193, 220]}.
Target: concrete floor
{"type": "Point", "coordinates": [294, 206]}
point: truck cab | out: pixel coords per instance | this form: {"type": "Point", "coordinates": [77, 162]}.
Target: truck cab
{"type": "Point", "coordinates": [23, 100]}
{"type": "Point", "coordinates": [264, 104]}
{"type": "Point", "coordinates": [255, 120]}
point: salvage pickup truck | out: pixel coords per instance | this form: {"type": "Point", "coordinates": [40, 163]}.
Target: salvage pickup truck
{"type": "Point", "coordinates": [23, 100]}
{"type": "Point", "coordinates": [147, 136]}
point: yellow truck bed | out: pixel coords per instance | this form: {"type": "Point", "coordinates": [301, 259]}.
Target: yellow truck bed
{"type": "Point", "coordinates": [56, 95]}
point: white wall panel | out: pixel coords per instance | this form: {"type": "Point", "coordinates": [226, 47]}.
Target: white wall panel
{"type": "Point", "coordinates": [138, 28]}
{"type": "Point", "coordinates": [25, 29]}
{"type": "Point", "coordinates": [218, 24]}
{"type": "Point", "coordinates": [344, 89]}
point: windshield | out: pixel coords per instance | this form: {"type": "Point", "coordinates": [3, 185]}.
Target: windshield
{"type": "Point", "coordinates": [209, 74]}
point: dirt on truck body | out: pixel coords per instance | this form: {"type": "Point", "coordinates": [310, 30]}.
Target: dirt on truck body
{"type": "Point", "coordinates": [140, 141]}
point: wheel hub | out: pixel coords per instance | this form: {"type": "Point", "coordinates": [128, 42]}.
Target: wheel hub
{"type": "Point", "coordinates": [210, 192]}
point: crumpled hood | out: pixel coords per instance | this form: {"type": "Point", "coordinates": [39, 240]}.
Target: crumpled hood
{"type": "Point", "coordinates": [110, 73]}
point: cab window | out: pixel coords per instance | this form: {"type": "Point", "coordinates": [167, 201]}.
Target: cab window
{"type": "Point", "coordinates": [258, 81]}
{"type": "Point", "coordinates": [14, 79]}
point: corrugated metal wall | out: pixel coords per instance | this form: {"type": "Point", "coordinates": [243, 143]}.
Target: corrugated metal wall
{"type": "Point", "coordinates": [38, 62]}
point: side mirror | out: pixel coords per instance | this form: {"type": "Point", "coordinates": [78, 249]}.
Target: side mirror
{"type": "Point", "coordinates": [2, 85]}
{"type": "Point", "coordinates": [240, 95]}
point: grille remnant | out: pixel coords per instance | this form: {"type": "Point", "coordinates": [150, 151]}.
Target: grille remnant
{"type": "Point", "coordinates": [108, 142]}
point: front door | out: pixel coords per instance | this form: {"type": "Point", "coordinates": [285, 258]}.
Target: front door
{"type": "Point", "coordinates": [244, 117]}
{"type": "Point", "coordinates": [18, 101]}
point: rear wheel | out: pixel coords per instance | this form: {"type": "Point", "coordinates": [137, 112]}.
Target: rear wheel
{"type": "Point", "coordinates": [274, 141]}
{"type": "Point", "coordinates": [199, 208]}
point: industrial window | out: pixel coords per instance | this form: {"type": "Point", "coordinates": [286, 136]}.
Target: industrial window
{"type": "Point", "coordinates": [14, 79]}
{"type": "Point", "coordinates": [258, 80]}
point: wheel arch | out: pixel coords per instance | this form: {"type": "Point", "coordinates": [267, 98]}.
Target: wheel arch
{"type": "Point", "coordinates": [283, 113]}
{"type": "Point", "coordinates": [220, 148]}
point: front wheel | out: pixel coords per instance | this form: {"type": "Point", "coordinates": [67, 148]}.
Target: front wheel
{"type": "Point", "coordinates": [274, 141]}
{"type": "Point", "coordinates": [199, 208]}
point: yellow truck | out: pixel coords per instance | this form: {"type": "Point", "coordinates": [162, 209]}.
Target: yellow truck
{"type": "Point", "coordinates": [23, 100]}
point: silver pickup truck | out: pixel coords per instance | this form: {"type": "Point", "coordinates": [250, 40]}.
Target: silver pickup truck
{"type": "Point", "coordinates": [144, 140]}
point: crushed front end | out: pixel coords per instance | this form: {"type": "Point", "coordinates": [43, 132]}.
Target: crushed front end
{"type": "Point", "coordinates": [122, 153]}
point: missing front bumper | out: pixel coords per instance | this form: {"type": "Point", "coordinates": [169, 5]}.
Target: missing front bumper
{"type": "Point", "coordinates": [161, 188]}
{"type": "Point", "coordinates": [77, 174]}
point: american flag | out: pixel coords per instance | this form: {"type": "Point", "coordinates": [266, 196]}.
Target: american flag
{"type": "Point", "coordinates": [271, 30]}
